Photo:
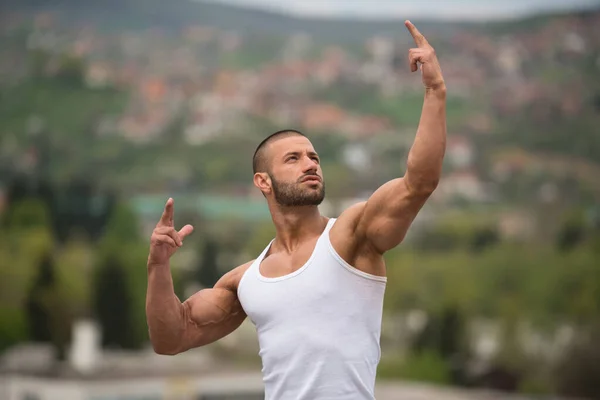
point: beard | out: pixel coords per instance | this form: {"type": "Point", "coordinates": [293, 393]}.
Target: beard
{"type": "Point", "coordinates": [297, 194]}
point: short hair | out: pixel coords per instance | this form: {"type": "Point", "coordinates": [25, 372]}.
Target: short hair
{"type": "Point", "coordinates": [259, 160]}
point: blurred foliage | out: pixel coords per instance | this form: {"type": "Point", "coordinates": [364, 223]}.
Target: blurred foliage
{"type": "Point", "coordinates": [556, 287]}
{"type": "Point", "coordinates": [577, 372]}
{"type": "Point", "coordinates": [428, 366]}
{"type": "Point", "coordinates": [510, 283]}
{"type": "Point", "coordinates": [207, 273]}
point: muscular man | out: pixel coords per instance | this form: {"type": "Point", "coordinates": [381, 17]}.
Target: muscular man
{"type": "Point", "coordinates": [315, 294]}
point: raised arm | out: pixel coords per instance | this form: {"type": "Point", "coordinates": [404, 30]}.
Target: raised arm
{"type": "Point", "coordinates": [385, 218]}
{"type": "Point", "coordinates": [205, 317]}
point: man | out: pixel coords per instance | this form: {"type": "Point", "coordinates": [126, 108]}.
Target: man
{"type": "Point", "coordinates": [316, 292]}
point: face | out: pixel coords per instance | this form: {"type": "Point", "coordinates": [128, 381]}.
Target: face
{"type": "Point", "coordinates": [295, 172]}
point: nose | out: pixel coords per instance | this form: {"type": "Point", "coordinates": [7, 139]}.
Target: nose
{"type": "Point", "coordinates": [309, 166]}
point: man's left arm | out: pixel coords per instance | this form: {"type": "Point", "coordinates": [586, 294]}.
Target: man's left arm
{"type": "Point", "coordinates": [391, 209]}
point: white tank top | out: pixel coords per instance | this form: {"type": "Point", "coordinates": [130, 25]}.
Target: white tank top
{"type": "Point", "coordinates": [318, 327]}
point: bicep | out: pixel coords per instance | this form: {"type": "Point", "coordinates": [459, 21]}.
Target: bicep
{"type": "Point", "coordinates": [388, 214]}
{"type": "Point", "coordinates": [212, 314]}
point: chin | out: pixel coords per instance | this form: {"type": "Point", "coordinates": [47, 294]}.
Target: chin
{"type": "Point", "coordinates": [317, 200]}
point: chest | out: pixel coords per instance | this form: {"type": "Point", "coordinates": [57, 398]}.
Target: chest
{"type": "Point", "coordinates": [319, 293]}
{"type": "Point", "coordinates": [288, 287]}
{"type": "Point", "coordinates": [296, 298]}
{"type": "Point", "coordinates": [280, 263]}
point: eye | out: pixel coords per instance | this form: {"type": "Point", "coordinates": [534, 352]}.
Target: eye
{"type": "Point", "coordinates": [315, 159]}
{"type": "Point", "coordinates": [291, 158]}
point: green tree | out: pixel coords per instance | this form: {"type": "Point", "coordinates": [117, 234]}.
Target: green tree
{"type": "Point", "coordinates": [74, 270]}
{"type": "Point", "coordinates": [121, 258]}
{"type": "Point", "coordinates": [71, 71]}
{"type": "Point", "coordinates": [207, 273]}
{"type": "Point", "coordinates": [113, 305]}
{"type": "Point", "coordinates": [25, 241]}
{"type": "Point", "coordinates": [38, 315]}
{"type": "Point", "coordinates": [13, 289]}
{"type": "Point", "coordinates": [59, 295]}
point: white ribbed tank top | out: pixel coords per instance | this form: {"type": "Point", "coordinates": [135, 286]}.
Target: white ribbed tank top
{"type": "Point", "coordinates": [318, 327]}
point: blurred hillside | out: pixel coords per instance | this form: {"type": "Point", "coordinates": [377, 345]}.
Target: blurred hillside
{"type": "Point", "coordinates": [515, 99]}
{"type": "Point", "coordinates": [107, 109]}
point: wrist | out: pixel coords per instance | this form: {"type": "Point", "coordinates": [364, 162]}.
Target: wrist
{"type": "Point", "coordinates": [437, 90]}
{"type": "Point", "coordinates": [153, 264]}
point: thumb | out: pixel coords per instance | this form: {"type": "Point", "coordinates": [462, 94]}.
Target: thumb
{"type": "Point", "coordinates": [185, 231]}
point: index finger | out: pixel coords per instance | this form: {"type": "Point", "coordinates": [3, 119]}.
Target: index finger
{"type": "Point", "coordinates": [167, 216]}
{"type": "Point", "coordinates": [417, 36]}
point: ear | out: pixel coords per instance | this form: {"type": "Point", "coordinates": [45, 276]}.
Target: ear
{"type": "Point", "coordinates": [263, 182]}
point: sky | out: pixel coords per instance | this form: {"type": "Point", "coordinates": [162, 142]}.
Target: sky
{"type": "Point", "coordinates": [440, 9]}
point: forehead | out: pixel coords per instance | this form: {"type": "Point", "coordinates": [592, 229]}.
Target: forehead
{"type": "Point", "coordinates": [287, 144]}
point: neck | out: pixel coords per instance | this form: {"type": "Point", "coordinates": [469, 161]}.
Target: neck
{"type": "Point", "coordinates": [294, 225]}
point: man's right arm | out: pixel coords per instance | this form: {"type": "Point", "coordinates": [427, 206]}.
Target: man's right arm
{"type": "Point", "coordinates": [204, 318]}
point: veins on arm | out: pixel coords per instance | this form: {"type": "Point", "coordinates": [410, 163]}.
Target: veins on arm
{"type": "Point", "coordinates": [211, 314]}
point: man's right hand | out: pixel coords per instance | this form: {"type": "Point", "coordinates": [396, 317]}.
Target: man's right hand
{"type": "Point", "coordinates": [165, 240]}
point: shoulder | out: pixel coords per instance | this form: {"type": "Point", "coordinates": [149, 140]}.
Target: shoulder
{"type": "Point", "coordinates": [231, 279]}
{"type": "Point", "coordinates": [348, 220]}
{"type": "Point", "coordinates": [347, 237]}
{"type": "Point", "coordinates": [344, 235]}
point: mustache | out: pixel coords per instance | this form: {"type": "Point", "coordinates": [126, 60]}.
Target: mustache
{"type": "Point", "coordinates": [310, 176]}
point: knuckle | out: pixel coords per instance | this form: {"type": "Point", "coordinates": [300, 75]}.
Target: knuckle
{"type": "Point", "coordinates": [164, 230]}
{"type": "Point", "coordinates": [161, 241]}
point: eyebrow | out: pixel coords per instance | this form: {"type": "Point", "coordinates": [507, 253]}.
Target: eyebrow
{"type": "Point", "coordinates": [296, 153]}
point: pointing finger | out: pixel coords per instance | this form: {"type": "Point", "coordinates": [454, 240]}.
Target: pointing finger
{"type": "Point", "coordinates": [167, 216]}
{"type": "Point", "coordinates": [417, 36]}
